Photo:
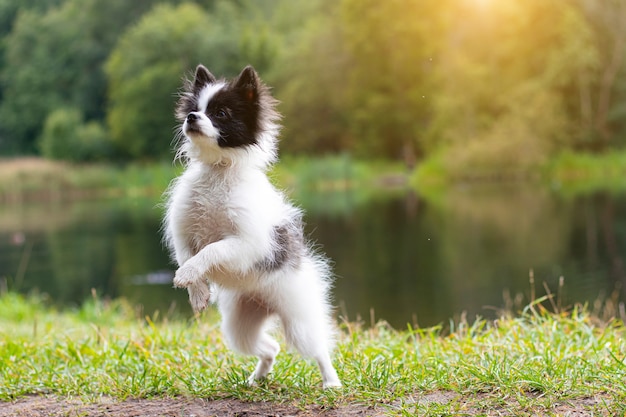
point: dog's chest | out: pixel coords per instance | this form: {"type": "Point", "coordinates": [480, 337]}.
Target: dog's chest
{"type": "Point", "coordinates": [207, 215]}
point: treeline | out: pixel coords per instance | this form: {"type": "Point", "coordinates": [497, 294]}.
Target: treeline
{"type": "Point", "coordinates": [483, 84]}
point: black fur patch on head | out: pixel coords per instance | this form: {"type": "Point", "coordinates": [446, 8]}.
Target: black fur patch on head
{"type": "Point", "coordinates": [188, 100]}
{"type": "Point", "coordinates": [236, 111]}
{"type": "Point", "coordinates": [203, 77]}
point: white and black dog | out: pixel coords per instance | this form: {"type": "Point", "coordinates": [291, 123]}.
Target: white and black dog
{"type": "Point", "coordinates": [236, 239]}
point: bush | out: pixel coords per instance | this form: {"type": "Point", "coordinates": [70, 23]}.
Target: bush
{"type": "Point", "coordinates": [67, 137]}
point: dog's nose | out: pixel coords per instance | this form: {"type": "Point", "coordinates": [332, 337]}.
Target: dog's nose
{"type": "Point", "coordinates": [192, 117]}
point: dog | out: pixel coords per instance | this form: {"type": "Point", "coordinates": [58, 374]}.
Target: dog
{"type": "Point", "coordinates": [237, 240]}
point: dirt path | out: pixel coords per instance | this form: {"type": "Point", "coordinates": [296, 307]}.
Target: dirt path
{"type": "Point", "coordinates": [35, 406]}
{"type": "Point", "coordinates": [41, 406]}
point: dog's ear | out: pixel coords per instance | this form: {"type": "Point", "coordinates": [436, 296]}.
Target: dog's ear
{"type": "Point", "coordinates": [248, 83]}
{"type": "Point", "coordinates": [202, 78]}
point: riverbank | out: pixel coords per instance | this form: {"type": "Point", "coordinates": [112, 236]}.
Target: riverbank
{"type": "Point", "coordinates": [568, 172]}
{"type": "Point", "coordinates": [37, 179]}
{"type": "Point", "coordinates": [33, 179]}
{"type": "Point", "coordinates": [108, 357]}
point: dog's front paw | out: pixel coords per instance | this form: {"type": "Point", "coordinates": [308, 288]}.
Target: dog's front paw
{"type": "Point", "coordinates": [199, 295]}
{"type": "Point", "coordinates": [187, 275]}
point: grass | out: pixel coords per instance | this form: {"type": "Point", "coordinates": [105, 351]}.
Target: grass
{"type": "Point", "coordinates": [536, 362]}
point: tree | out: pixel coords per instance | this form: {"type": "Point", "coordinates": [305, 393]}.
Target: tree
{"type": "Point", "coordinates": [393, 47]}
{"type": "Point", "coordinates": [67, 137]}
{"type": "Point", "coordinates": [9, 11]}
{"type": "Point", "coordinates": [147, 65]}
{"type": "Point", "coordinates": [603, 92]}
{"type": "Point", "coordinates": [508, 94]}
{"type": "Point", "coordinates": [310, 80]}
{"type": "Point", "coordinates": [59, 139]}
{"type": "Point", "coordinates": [360, 75]}
{"type": "Point", "coordinates": [54, 59]}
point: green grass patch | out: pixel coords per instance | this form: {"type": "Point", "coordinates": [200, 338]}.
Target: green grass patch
{"type": "Point", "coordinates": [533, 362]}
{"type": "Point", "coordinates": [568, 172]}
{"type": "Point", "coordinates": [577, 173]}
{"type": "Point", "coordinates": [336, 172]}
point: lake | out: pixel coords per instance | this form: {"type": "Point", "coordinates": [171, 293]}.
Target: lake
{"type": "Point", "coordinates": [397, 256]}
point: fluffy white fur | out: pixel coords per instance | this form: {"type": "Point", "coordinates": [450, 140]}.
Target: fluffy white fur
{"type": "Point", "coordinates": [222, 215]}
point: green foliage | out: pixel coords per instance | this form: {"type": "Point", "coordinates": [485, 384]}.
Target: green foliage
{"type": "Point", "coordinates": [355, 82]}
{"type": "Point", "coordinates": [576, 173]}
{"type": "Point", "coordinates": [59, 133]}
{"type": "Point", "coordinates": [144, 71]}
{"type": "Point", "coordinates": [309, 75]}
{"type": "Point", "coordinates": [602, 89]}
{"type": "Point", "coordinates": [490, 93]}
{"type": "Point", "coordinates": [9, 10]}
{"type": "Point", "coordinates": [500, 86]}
{"type": "Point", "coordinates": [54, 59]}
{"type": "Point", "coordinates": [146, 67]}
{"type": "Point", "coordinates": [478, 80]}
{"type": "Point", "coordinates": [391, 82]}
{"type": "Point", "coordinates": [66, 137]}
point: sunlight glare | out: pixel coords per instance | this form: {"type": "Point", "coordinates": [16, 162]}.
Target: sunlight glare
{"type": "Point", "coordinates": [480, 4]}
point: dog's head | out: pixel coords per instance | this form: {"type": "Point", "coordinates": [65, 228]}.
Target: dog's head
{"type": "Point", "coordinates": [228, 122]}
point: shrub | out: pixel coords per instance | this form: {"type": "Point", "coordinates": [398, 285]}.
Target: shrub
{"type": "Point", "coordinates": [67, 137]}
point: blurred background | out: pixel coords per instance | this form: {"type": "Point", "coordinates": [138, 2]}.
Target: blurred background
{"type": "Point", "coordinates": [447, 152]}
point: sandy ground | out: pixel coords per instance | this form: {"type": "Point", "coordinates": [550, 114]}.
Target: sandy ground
{"type": "Point", "coordinates": [180, 407]}
{"type": "Point", "coordinates": [43, 406]}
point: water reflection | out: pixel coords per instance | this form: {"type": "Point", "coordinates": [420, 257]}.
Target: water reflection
{"type": "Point", "coordinates": [68, 249]}
{"type": "Point", "coordinates": [404, 257]}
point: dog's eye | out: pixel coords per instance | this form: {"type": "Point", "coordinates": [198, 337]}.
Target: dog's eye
{"type": "Point", "coordinates": [221, 114]}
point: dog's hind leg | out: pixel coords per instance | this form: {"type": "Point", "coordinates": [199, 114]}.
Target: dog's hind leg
{"type": "Point", "coordinates": [244, 324]}
{"type": "Point", "coordinates": [266, 350]}
{"type": "Point", "coordinates": [307, 323]}
{"type": "Point", "coordinates": [312, 341]}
